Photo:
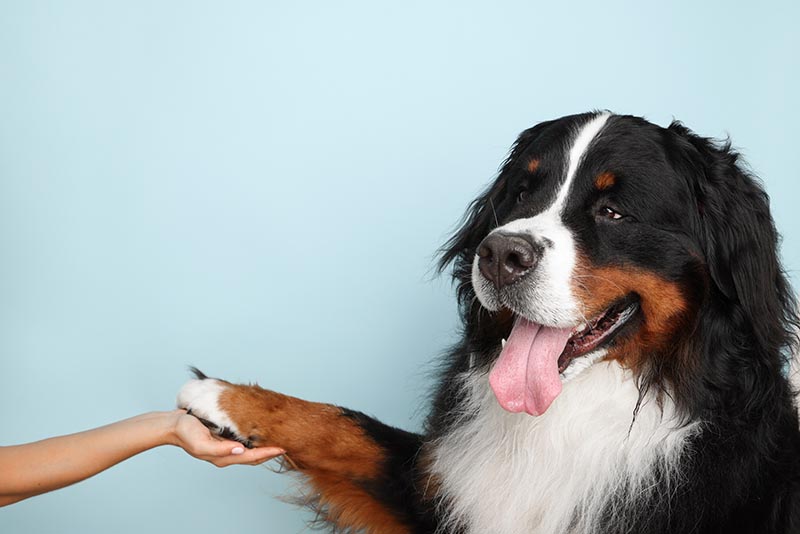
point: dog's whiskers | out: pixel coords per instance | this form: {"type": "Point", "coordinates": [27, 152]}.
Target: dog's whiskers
{"type": "Point", "coordinates": [604, 279]}
{"type": "Point", "coordinates": [496, 221]}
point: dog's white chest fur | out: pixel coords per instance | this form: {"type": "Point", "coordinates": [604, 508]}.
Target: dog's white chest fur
{"type": "Point", "coordinates": [504, 473]}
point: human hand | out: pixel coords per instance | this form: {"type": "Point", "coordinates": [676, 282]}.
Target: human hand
{"type": "Point", "coordinates": [193, 437]}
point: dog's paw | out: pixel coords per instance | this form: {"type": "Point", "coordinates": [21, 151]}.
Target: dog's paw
{"type": "Point", "coordinates": [200, 398]}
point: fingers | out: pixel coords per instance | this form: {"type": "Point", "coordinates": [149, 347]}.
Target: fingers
{"type": "Point", "coordinates": [196, 439]}
{"type": "Point", "coordinates": [248, 457]}
{"type": "Point", "coordinates": [218, 448]}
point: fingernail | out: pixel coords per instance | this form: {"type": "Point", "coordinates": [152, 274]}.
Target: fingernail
{"type": "Point", "coordinates": [238, 450]}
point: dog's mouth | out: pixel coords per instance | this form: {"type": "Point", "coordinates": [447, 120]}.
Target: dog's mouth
{"type": "Point", "coordinates": [532, 364]}
{"type": "Point", "coordinates": [599, 332]}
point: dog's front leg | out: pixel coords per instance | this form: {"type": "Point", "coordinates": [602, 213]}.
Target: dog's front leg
{"type": "Point", "coordinates": [361, 472]}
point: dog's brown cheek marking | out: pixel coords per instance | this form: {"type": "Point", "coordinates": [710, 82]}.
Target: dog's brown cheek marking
{"type": "Point", "coordinates": [325, 445]}
{"type": "Point", "coordinates": [663, 305]}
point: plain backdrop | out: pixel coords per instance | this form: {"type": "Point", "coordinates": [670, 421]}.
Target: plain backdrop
{"type": "Point", "coordinates": [259, 189]}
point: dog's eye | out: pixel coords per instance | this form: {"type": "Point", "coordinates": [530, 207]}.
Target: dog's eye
{"type": "Point", "coordinates": [522, 196]}
{"type": "Point", "coordinates": [610, 213]}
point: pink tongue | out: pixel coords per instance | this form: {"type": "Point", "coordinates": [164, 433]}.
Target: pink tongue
{"type": "Point", "coordinates": [525, 376]}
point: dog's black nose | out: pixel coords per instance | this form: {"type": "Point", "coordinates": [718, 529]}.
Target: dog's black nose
{"type": "Point", "coordinates": [505, 258]}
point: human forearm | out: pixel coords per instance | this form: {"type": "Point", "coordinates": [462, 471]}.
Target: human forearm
{"type": "Point", "coordinates": [58, 462]}
{"type": "Point", "coordinates": [34, 468]}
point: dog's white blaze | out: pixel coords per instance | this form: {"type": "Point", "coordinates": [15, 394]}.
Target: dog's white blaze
{"type": "Point", "coordinates": [201, 396]}
{"type": "Point", "coordinates": [551, 301]}
{"type": "Point", "coordinates": [505, 473]}
{"type": "Point", "coordinates": [579, 147]}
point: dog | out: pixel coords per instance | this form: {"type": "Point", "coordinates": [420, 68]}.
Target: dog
{"type": "Point", "coordinates": [627, 330]}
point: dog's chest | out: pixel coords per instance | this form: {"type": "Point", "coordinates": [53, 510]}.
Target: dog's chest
{"type": "Point", "coordinates": [503, 473]}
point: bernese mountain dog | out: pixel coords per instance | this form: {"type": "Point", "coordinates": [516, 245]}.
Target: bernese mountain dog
{"type": "Point", "coordinates": [627, 334]}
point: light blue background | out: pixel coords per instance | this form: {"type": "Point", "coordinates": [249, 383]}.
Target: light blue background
{"type": "Point", "coordinates": [258, 189]}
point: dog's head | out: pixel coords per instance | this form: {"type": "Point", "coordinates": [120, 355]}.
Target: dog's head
{"type": "Point", "coordinates": [608, 237]}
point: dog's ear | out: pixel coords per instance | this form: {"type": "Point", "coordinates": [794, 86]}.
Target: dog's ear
{"type": "Point", "coordinates": [738, 238]}
{"type": "Point", "coordinates": [479, 219]}
{"type": "Point", "coordinates": [481, 215]}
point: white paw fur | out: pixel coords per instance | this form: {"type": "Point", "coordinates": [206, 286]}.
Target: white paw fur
{"type": "Point", "coordinates": [201, 396]}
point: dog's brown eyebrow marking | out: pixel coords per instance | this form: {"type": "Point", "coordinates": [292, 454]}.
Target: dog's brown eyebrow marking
{"type": "Point", "coordinates": [533, 165]}
{"type": "Point", "coordinates": [605, 180]}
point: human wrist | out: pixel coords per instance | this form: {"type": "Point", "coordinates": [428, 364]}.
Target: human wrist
{"type": "Point", "coordinates": [159, 428]}
{"type": "Point", "coordinates": [169, 427]}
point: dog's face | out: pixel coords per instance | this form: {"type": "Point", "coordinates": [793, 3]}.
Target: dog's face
{"type": "Point", "coordinates": [594, 238]}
